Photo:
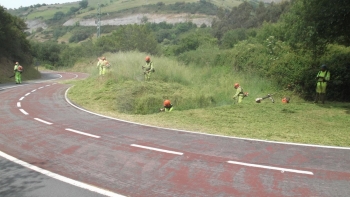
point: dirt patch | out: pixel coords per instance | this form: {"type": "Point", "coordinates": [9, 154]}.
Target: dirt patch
{"type": "Point", "coordinates": [152, 18]}
{"type": "Point", "coordinates": [34, 24]}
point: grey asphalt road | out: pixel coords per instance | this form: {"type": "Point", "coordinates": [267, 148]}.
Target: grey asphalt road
{"type": "Point", "coordinates": [19, 181]}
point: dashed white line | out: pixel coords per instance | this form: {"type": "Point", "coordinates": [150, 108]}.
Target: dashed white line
{"type": "Point", "coordinates": [21, 98]}
{"type": "Point", "coordinates": [60, 178]}
{"type": "Point", "coordinates": [40, 88]}
{"type": "Point", "coordinates": [157, 149]}
{"type": "Point", "coordinates": [82, 133]}
{"type": "Point", "coordinates": [47, 85]}
{"type": "Point", "coordinates": [270, 167]}
{"type": "Point", "coordinates": [18, 104]}
{"type": "Point", "coordinates": [43, 121]}
{"type": "Point", "coordinates": [33, 90]}
{"type": "Point", "coordinates": [27, 94]}
{"type": "Point", "coordinates": [24, 112]}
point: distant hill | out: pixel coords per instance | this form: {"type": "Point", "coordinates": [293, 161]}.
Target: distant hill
{"type": "Point", "coordinates": [42, 20]}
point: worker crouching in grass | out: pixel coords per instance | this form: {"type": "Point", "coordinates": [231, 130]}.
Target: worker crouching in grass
{"type": "Point", "coordinates": [168, 107]}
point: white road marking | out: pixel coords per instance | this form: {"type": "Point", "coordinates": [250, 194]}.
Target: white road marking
{"type": "Point", "coordinates": [21, 98]}
{"type": "Point", "coordinates": [27, 94]}
{"type": "Point", "coordinates": [34, 90]}
{"type": "Point", "coordinates": [157, 149]}
{"type": "Point", "coordinates": [206, 134]}
{"type": "Point", "coordinates": [79, 132]}
{"type": "Point", "coordinates": [24, 112]}
{"type": "Point", "coordinates": [47, 85]}
{"type": "Point", "coordinates": [271, 167]}
{"type": "Point", "coordinates": [40, 88]}
{"type": "Point", "coordinates": [43, 121]}
{"type": "Point", "coordinates": [60, 178]}
{"type": "Point", "coordinates": [18, 104]}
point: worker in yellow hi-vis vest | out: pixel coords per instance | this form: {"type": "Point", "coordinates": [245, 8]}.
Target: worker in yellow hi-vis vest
{"type": "Point", "coordinates": [323, 76]}
{"type": "Point", "coordinates": [239, 93]}
{"type": "Point", "coordinates": [18, 69]}
{"type": "Point", "coordinates": [99, 64]}
{"type": "Point", "coordinates": [148, 68]}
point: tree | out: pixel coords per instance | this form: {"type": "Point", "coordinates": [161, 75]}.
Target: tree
{"type": "Point", "coordinates": [312, 24]}
{"type": "Point", "coordinates": [13, 42]}
{"type": "Point", "coordinates": [58, 16]}
{"type": "Point", "coordinates": [330, 19]}
{"type": "Point", "coordinates": [83, 4]}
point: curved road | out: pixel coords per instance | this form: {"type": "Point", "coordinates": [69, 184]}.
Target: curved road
{"type": "Point", "coordinates": [50, 147]}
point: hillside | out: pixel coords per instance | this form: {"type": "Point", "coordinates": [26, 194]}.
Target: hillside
{"type": "Point", "coordinates": [42, 20]}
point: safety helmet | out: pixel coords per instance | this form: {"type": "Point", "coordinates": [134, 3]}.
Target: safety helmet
{"type": "Point", "coordinates": [147, 58]}
{"type": "Point", "coordinates": [236, 85]}
{"type": "Point", "coordinates": [166, 103]}
{"type": "Point", "coordinates": [285, 100]}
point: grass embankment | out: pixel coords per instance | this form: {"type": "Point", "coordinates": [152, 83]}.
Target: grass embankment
{"type": "Point", "coordinates": [6, 71]}
{"type": "Point", "coordinates": [202, 99]}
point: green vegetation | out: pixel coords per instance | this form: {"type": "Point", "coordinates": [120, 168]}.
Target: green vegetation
{"type": "Point", "coordinates": [202, 98]}
{"type": "Point", "coordinates": [14, 47]}
{"type": "Point", "coordinates": [267, 48]}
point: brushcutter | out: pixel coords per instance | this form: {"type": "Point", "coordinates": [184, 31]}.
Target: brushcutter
{"type": "Point", "coordinates": [269, 96]}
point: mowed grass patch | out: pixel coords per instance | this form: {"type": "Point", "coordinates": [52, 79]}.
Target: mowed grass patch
{"type": "Point", "coordinates": [123, 94]}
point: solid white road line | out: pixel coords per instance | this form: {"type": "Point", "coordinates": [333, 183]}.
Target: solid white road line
{"type": "Point", "coordinates": [43, 121]}
{"type": "Point", "coordinates": [206, 134]}
{"type": "Point", "coordinates": [270, 167]}
{"type": "Point", "coordinates": [21, 98]}
{"type": "Point", "coordinates": [157, 149]}
{"type": "Point", "coordinates": [27, 94]}
{"type": "Point", "coordinates": [82, 133]}
{"type": "Point", "coordinates": [59, 177]}
{"type": "Point", "coordinates": [24, 112]}
{"type": "Point", "coordinates": [18, 104]}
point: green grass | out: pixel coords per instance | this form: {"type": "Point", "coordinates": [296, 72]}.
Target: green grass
{"type": "Point", "coordinates": [202, 102]}
{"type": "Point", "coordinates": [47, 12]}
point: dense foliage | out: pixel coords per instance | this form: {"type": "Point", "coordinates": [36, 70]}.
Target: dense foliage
{"type": "Point", "coordinates": [285, 42]}
{"type": "Point", "coordinates": [13, 42]}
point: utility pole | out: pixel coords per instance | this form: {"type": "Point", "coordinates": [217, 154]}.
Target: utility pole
{"type": "Point", "coordinates": [98, 20]}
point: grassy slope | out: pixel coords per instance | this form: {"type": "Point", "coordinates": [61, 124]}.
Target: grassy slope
{"type": "Point", "coordinates": [48, 12]}
{"type": "Point", "coordinates": [298, 121]}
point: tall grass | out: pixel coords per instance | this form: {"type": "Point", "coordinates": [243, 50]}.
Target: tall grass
{"type": "Point", "coordinates": [187, 86]}
{"type": "Point", "coordinates": [202, 99]}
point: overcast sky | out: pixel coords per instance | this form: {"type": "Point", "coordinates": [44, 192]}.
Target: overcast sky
{"type": "Point", "coordinates": [24, 3]}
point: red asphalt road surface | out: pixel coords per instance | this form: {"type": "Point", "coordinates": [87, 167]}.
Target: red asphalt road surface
{"type": "Point", "coordinates": [131, 159]}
